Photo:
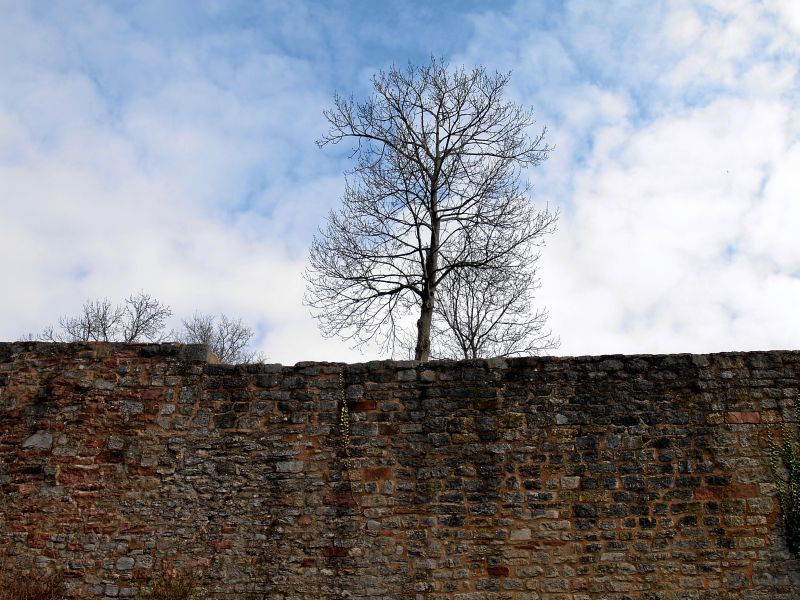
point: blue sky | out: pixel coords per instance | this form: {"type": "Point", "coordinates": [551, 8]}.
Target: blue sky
{"type": "Point", "coordinates": [169, 146]}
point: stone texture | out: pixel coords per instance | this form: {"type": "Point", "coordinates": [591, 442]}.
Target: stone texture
{"type": "Point", "coordinates": [618, 477]}
{"type": "Point", "coordinates": [41, 439]}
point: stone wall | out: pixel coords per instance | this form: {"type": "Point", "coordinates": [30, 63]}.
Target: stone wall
{"type": "Point", "coordinates": [548, 478]}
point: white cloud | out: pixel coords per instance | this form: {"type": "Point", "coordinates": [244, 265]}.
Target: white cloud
{"type": "Point", "coordinates": [772, 223]}
{"type": "Point", "coordinates": [681, 204]}
{"type": "Point", "coordinates": [177, 156]}
{"type": "Point", "coordinates": [788, 11]}
{"type": "Point", "coordinates": [105, 191]}
{"type": "Point", "coordinates": [654, 223]}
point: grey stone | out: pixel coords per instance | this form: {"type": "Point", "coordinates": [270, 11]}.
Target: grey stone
{"type": "Point", "coordinates": [132, 407]}
{"type": "Point", "coordinates": [40, 439]}
{"type": "Point", "coordinates": [104, 384]}
{"type": "Point", "coordinates": [610, 365]}
{"type": "Point", "coordinates": [42, 562]}
{"type": "Point", "coordinates": [197, 353]}
{"type": "Point", "coordinates": [289, 466]}
{"type": "Point", "coordinates": [407, 375]}
{"type": "Point", "coordinates": [570, 483]}
{"type": "Point", "coordinates": [521, 534]}
{"type": "Point", "coordinates": [497, 362]}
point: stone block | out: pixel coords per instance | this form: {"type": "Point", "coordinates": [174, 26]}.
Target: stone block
{"type": "Point", "coordinates": [42, 440]}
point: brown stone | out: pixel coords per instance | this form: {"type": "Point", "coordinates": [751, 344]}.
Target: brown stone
{"type": "Point", "coordinates": [363, 406]}
{"type": "Point", "coordinates": [378, 473]}
{"type": "Point", "coordinates": [742, 417]}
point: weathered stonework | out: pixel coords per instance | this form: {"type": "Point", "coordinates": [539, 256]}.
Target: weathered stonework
{"type": "Point", "coordinates": [641, 477]}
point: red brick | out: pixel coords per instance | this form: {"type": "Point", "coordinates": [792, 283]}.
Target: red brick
{"type": "Point", "coordinates": [72, 574]}
{"type": "Point", "coordinates": [749, 490]}
{"type": "Point", "coordinates": [109, 458]}
{"type": "Point", "coordinates": [706, 494]}
{"type": "Point", "coordinates": [578, 584]}
{"type": "Point", "coordinates": [377, 473]}
{"type": "Point", "coordinates": [363, 406]}
{"type": "Point", "coordinates": [736, 417]}
{"type": "Point", "coordinates": [339, 500]}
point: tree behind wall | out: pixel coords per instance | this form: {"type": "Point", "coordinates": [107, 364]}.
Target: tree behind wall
{"type": "Point", "coordinates": [227, 337]}
{"type": "Point", "coordinates": [139, 318]}
{"type": "Point", "coordinates": [488, 313]}
{"type": "Point", "coordinates": [142, 318]}
{"type": "Point", "coordinates": [436, 190]}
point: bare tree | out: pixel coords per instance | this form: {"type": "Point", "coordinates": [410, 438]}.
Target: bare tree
{"type": "Point", "coordinates": [143, 318]}
{"type": "Point", "coordinates": [485, 313]}
{"type": "Point", "coordinates": [140, 318]}
{"type": "Point", "coordinates": [436, 189]}
{"type": "Point", "coordinates": [99, 321]}
{"type": "Point", "coordinates": [228, 338]}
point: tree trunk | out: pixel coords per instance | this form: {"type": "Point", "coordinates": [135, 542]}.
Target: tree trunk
{"type": "Point", "coordinates": [423, 349]}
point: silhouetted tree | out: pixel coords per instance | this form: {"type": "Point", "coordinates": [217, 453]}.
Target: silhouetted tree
{"type": "Point", "coordinates": [142, 318]}
{"type": "Point", "coordinates": [436, 189]}
{"type": "Point", "coordinates": [486, 313]}
{"type": "Point", "coordinates": [139, 318]}
{"type": "Point", "coordinates": [227, 337]}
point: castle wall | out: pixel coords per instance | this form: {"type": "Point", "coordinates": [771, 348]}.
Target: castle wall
{"type": "Point", "coordinates": [545, 478]}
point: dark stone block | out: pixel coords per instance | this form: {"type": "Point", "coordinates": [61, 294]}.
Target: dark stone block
{"type": "Point", "coordinates": [615, 510]}
{"type": "Point", "coordinates": [587, 443]}
{"type": "Point", "coordinates": [265, 380]}
{"type": "Point", "coordinates": [718, 480]}
{"type": "Point", "coordinates": [225, 420]}
{"type": "Point", "coordinates": [585, 510]}
{"type": "Point", "coordinates": [197, 353]}
{"type": "Point", "coordinates": [220, 369]}
{"type": "Point", "coordinates": [634, 483]}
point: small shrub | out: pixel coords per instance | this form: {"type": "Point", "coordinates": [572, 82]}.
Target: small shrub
{"type": "Point", "coordinates": [174, 587]}
{"type": "Point", "coordinates": [786, 454]}
{"type": "Point", "coordinates": [30, 586]}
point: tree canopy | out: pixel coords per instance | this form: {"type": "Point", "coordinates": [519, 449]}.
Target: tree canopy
{"type": "Point", "coordinates": [436, 190]}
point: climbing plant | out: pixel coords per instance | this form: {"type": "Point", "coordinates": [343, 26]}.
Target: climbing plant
{"type": "Point", "coordinates": [344, 432]}
{"type": "Point", "coordinates": [344, 419]}
{"type": "Point", "coordinates": [785, 463]}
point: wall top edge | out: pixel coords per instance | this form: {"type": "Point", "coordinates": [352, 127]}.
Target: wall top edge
{"type": "Point", "coordinates": [201, 353]}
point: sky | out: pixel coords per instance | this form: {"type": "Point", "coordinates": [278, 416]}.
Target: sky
{"type": "Point", "coordinates": [169, 147]}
